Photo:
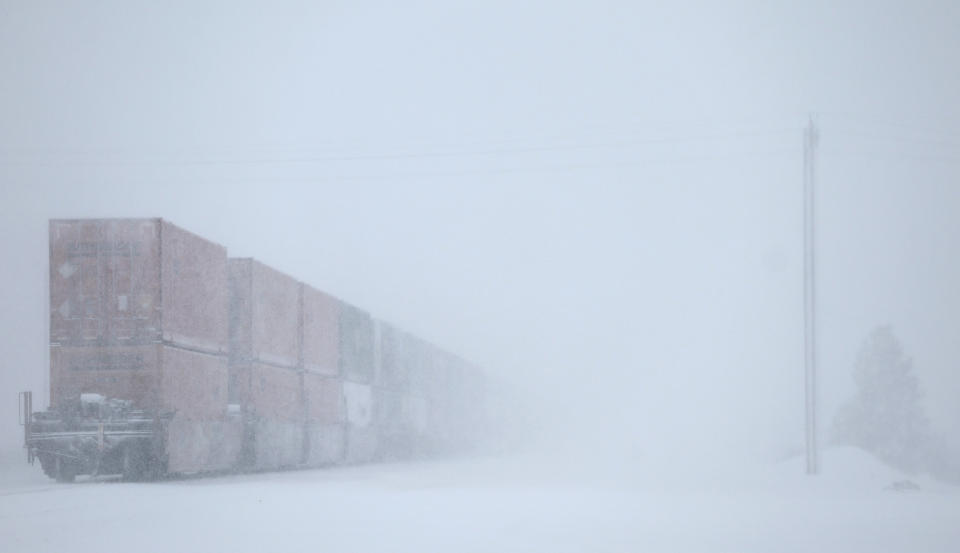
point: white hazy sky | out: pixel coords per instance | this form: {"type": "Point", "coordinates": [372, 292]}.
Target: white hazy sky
{"type": "Point", "coordinates": [597, 201]}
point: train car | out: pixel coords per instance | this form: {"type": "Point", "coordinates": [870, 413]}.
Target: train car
{"type": "Point", "coordinates": [168, 357]}
{"type": "Point", "coordinates": [138, 352]}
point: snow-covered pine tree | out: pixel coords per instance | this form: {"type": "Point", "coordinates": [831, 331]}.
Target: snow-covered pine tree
{"type": "Point", "coordinates": [886, 415]}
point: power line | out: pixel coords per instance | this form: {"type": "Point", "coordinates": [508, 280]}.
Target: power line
{"type": "Point", "coordinates": [888, 156]}
{"type": "Point", "coordinates": [420, 155]}
{"type": "Point", "coordinates": [554, 168]}
{"type": "Point", "coordinates": [845, 118]}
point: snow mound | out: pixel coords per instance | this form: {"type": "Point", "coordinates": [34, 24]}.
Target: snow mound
{"type": "Point", "coordinates": [854, 469]}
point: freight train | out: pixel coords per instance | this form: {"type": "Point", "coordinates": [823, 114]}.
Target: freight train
{"type": "Point", "coordinates": [169, 357]}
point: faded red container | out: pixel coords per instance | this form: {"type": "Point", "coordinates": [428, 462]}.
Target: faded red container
{"type": "Point", "coordinates": [266, 319]}
{"type": "Point", "coordinates": [321, 332]}
{"type": "Point", "coordinates": [264, 314]}
{"type": "Point", "coordinates": [139, 312]}
{"type": "Point", "coordinates": [134, 282]}
{"type": "Point", "coordinates": [127, 372]}
{"type": "Point", "coordinates": [155, 377]}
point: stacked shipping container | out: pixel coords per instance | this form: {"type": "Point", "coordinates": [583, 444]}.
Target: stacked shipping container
{"type": "Point", "coordinates": [265, 375]}
{"type": "Point", "coordinates": [143, 310]}
{"type": "Point", "coordinates": [138, 311]}
{"type": "Point", "coordinates": [357, 369]}
{"type": "Point", "coordinates": [324, 434]}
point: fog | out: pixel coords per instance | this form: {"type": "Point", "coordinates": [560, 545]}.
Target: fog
{"type": "Point", "coordinates": [598, 203]}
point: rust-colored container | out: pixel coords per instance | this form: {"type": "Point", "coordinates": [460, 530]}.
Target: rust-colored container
{"type": "Point", "coordinates": [139, 312]}
{"type": "Point", "coordinates": [122, 282]}
{"type": "Point", "coordinates": [127, 372]}
{"type": "Point", "coordinates": [154, 377]}
{"type": "Point", "coordinates": [264, 315]}
{"type": "Point", "coordinates": [193, 384]}
{"type": "Point", "coordinates": [201, 436]}
{"type": "Point", "coordinates": [321, 332]}
{"type": "Point", "coordinates": [189, 386]}
{"type": "Point", "coordinates": [143, 310]}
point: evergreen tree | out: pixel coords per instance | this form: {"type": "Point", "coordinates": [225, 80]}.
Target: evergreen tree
{"type": "Point", "coordinates": [886, 416]}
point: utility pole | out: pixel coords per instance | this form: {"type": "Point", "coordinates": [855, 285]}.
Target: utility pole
{"type": "Point", "coordinates": [810, 140]}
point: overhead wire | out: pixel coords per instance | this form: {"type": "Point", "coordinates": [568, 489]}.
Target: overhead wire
{"type": "Point", "coordinates": [482, 152]}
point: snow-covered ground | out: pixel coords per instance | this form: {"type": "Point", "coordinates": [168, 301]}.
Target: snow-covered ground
{"type": "Point", "coordinates": [490, 505]}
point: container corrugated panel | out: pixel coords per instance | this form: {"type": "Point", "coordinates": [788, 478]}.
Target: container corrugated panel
{"type": "Point", "coordinates": [356, 344]}
{"type": "Point", "coordinates": [193, 384]}
{"type": "Point", "coordinates": [203, 445]}
{"type": "Point", "coordinates": [188, 385]}
{"type": "Point", "coordinates": [272, 397]}
{"type": "Point", "coordinates": [105, 282]}
{"type": "Point", "coordinates": [393, 359]}
{"type": "Point", "coordinates": [358, 403]}
{"type": "Point", "coordinates": [324, 429]}
{"type": "Point", "coordinates": [193, 295]}
{"type": "Point", "coordinates": [264, 314]}
{"type": "Point", "coordinates": [321, 332]}
{"type": "Point", "coordinates": [240, 327]}
{"type": "Point", "coordinates": [126, 372]}
{"type": "Point", "coordinates": [272, 392]}
{"type": "Point", "coordinates": [135, 281]}
{"type": "Point", "coordinates": [324, 398]}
